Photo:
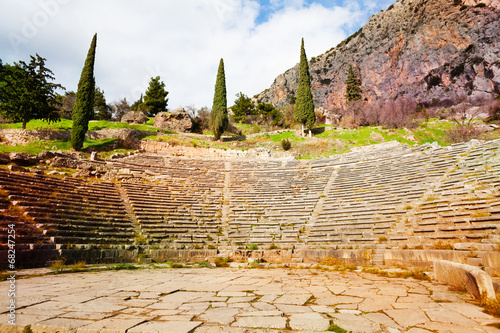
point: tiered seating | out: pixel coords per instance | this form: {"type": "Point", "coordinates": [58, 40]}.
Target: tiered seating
{"type": "Point", "coordinates": [184, 208]}
{"type": "Point", "coordinates": [25, 232]}
{"type": "Point", "coordinates": [70, 211]}
{"type": "Point", "coordinates": [273, 205]}
{"type": "Point", "coordinates": [466, 206]}
{"type": "Point", "coordinates": [368, 199]}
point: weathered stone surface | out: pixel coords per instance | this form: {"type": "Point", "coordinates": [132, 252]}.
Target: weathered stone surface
{"type": "Point", "coordinates": [4, 158]}
{"type": "Point", "coordinates": [178, 121]}
{"type": "Point", "coordinates": [16, 168]}
{"type": "Point", "coordinates": [263, 322]}
{"type": "Point", "coordinates": [111, 325]}
{"type": "Point", "coordinates": [407, 317]}
{"type": "Point", "coordinates": [23, 159]}
{"type": "Point", "coordinates": [134, 117]}
{"type": "Point", "coordinates": [58, 325]}
{"type": "Point", "coordinates": [476, 281]}
{"type": "Point", "coordinates": [165, 326]}
{"type": "Point", "coordinates": [219, 315]}
{"type": "Point", "coordinates": [309, 322]}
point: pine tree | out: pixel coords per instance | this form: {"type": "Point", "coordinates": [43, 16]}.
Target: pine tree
{"type": "Point", "coordinates": [26, 92]}
{"type": "Point", "coordinates": [353, 90]}
{"type": "Point", "coordinates": [304, 104]}
{"type": "Point", "coordinates": [155, 99]}
{"type": "Point", "coordinates": [102, 111]}
{"type": "Point", "coordinates": [84, 103]}
{"type": "Point", "coordinates": [218, 116]}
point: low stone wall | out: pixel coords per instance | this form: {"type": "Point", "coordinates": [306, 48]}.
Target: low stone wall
{"type": "Point", "coordinates": [473, 279]}
{"type": "Point", "coordinates": [23, 137]}
{"type": "Point", "coordinates": [162, 255]}
{"type": "Point", "coordinates": [98, 256]}
{"type": "Point", "coordinates": [166, 149]}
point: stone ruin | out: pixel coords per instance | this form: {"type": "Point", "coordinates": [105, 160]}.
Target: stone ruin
{"type": "Point", "coordinates": [400, 205]}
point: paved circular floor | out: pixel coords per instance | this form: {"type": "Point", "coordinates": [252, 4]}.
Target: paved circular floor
{"type": "Point", "coordinates": [238, 300]}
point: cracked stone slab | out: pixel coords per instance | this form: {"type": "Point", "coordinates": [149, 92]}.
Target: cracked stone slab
{"type": "Point", "coordinates": [111, 325]}
{"type": "Point", "coordinates": [60, 325]}
{"type": "Point", "coordinates": [354, 323]}
{"type": "Point", "coordinates": [293, 299]}
{"type": "Point", "coordinates": [407, 317]}
{"type": "Point", "coordinates": [262, 322]}
{"type": "Point", "coordinates": [165, 326]}
{"type": "Point", "coordinates": [309, 322]}
{"type": "Point", "coordinates": [219, 315]}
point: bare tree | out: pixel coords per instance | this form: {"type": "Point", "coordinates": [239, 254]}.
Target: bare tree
{"type": "Point", "coordinates": [119, 108]}
{"type": "Point", "coordinates": [465, 128]}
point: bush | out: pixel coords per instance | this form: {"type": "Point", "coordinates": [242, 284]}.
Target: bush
{"type": "Point", "coordinates": [463, 133]}
{"type": "Point", "coordinates": [434, 80]}
{"type": "Point", "coordinates": [494, 112]}
{"type": "Point", "coordinates": [445, 113]}
{"type": "Point", "coordinates": [221, 262]}
{"type": "Point", "coordinates": [286, 144]}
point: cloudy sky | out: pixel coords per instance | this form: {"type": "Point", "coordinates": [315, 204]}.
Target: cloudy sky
{"type": "Point", "coordinates": [182, 41]}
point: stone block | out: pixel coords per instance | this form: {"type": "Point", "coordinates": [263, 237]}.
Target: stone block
{"type": "Point", "coordinates": [476, 281]}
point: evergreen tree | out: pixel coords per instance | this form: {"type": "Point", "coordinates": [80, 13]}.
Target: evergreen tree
{"type": "Point", "coordinates": [26, 92]}
{"type": "Point", "coordinates": [84, 102]}
{"type": "Point", "coordinates": [102, 111]}
{"type": "Point", "coordinates": [155, 99]}
{"type": "Point", "coordinates": [218, 117]}
{"type": "Point", "coordinates": [304, 104]}
{"type": "Point", "coordinates": [243, 107]}
{"type": "Point", "coordinates": [136, 104]}
{"type": "Point", "coordinates": [353, 90]}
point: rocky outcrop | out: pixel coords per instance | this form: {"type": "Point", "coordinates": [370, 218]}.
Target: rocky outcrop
{"type": "Point", "coordinates": [178, 121]}
{"type": "Point", "coordinates": [134, 117]}
{"type": "Point", "coordinates": [422, 49]}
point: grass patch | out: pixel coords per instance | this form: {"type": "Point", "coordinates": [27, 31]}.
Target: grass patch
{"type": "Point", "coordinates": [335, 328]}
{"type": "Point", "coordinates": [36, 147]}
{"type": "Point", "coordinates": [94, 125]}
{"type": "Point", "coordinates": [119, 267]}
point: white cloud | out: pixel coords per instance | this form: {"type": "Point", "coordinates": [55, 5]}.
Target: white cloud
{"type": "Point", "coordinates": [182, 41]}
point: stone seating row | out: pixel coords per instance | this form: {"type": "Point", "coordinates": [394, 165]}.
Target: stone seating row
{"type": "Point", "coordinates": [70, 210]}
{"type": "Point", "coordinates": [166, 217]}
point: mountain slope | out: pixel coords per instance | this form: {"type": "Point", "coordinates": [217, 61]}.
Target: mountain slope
{"type": "Point", "coordinates": [424, 49]}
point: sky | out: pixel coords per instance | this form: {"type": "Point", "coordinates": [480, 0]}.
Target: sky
{"type": "Point", "coordinates": [180, 41]}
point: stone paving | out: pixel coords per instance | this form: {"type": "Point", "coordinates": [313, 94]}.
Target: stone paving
{"type": "Point", "coordinates": [238, 300]}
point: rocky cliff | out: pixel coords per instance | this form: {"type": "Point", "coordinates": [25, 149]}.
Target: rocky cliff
{"type": "Point", "coordinates": [424, 49]}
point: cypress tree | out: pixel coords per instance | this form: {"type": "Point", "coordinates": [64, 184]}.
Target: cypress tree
{"type": "Point", "coordinates": [353, 89]}
{"type": "Point", "coordinates": [83, 110]}
{"type": "Point", "coordinates": [304, 105]}
{"type": "Point", "coordinates": [218, 116]}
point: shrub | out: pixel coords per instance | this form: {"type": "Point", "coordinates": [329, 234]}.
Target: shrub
{"type": "Point", "coordinates": [434, 80]}
{"type": "Point", "coordinates": [459, 70]}
{"type": "Point", "coordinates": [286, 144]}
{"type": "Point", "coordinates": [494, 112]}
{"type": "Point", "coordinates": [445, 113]}
{"type": "Point", "coordinates": [221, 262]}
{"type": "Point", "coordinates": [253, 247]}
{"type": "Point", "coordinates": [464, 133]}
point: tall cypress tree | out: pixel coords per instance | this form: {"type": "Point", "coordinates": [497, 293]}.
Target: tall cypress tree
{"type": "Point", "coordinates": [304, 105]}
{"type": "Point", "coordinates": [218, 116]}
{"type": "Point", "coordinates": [83, 110]}
{"type": "Point", "coordinates": [353, 89]}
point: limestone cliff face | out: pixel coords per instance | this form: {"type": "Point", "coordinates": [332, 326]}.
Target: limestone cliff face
{"type": "Point", "coordinates": [424, 49]}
